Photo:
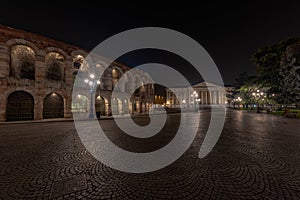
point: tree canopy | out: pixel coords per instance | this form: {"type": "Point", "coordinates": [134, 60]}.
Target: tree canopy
{"type": "Point", "coordinates": [270, 68]}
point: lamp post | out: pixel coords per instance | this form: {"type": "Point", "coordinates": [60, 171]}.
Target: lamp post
{"type": "Point", "coordinates": [92, 84]}
{"type": "Point", "coordinates": [257, 96]}
{"type": "Point", "coordinates": [194, 95]}
{"type": "Point", "coordinates": [198, 102]}
{"type": "Point", "coordinates": [239, 100]}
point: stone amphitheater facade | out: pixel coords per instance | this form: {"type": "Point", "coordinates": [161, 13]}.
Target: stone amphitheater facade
{"type": "Point", "coordinates": [37, 76]}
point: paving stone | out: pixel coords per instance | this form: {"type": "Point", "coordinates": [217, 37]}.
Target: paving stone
{"type": "Point", "coordinates": [256, 157]}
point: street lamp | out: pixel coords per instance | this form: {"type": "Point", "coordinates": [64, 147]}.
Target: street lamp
{"type": "Point", "coordinates": [257, 96]}
{"type": "Point", "coordinates": [92, 84]}
{"type": "Point", "coordinates": [239, 99]}
{"type": "Point", "coordinates": [194, 95]}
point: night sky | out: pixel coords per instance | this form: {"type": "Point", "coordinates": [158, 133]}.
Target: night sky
{"type": "Point", "coordinates": [230, 33]}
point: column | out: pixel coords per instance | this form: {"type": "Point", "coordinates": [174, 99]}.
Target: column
{"type": "Point", "coordinates": [4, 72]}
{"type": "Point", "coordinates": [3, 102]}
{"type": "Point", "coordinates": [207, 97]}
{"type": "Point", "coordinates": [201, 97]}
{"type": "Point", "coordinates": [68, 106]}
{"type": "Point", "coordinates": [38, 105]}
{"type": "Point", "coordinates": [220, 97]}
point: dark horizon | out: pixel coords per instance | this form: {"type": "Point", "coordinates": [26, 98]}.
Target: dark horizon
{"type": "Point", "coordinates": [230, 34]}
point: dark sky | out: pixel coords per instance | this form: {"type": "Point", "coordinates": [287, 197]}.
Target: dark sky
{"type": "Point", "coordinates": [230, 32]}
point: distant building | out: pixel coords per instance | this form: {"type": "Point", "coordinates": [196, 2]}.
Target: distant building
{"type": "Point", "coordinates": [200, 95]}
{"type": "Point", "coordinates": [37, 76]}
{"type": "Point", "coordinates": [158, 99]}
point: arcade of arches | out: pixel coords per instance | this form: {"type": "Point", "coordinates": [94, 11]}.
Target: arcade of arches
{"type": "Point", "coordinates": [37, 76]}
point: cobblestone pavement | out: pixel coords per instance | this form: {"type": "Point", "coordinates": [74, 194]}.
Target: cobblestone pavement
{"type": "Point", "coordinates": [257, 157]}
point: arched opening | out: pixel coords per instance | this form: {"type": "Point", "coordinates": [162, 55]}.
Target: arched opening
{"type": "Point", "coordinates": [116, 75]}
{"type": "Point", "coordinates": [80, 104]}
{"type": "Point", "coordinates": [20, 106]}
{"type": "Point", "coordinates": [100, 106]}
{"type": "Point", "coordinates": [79, 64]}
{"type": "Point", "coordinates": [125, 106]}
{"type": "Point", "coordinates": [115, 106]}
{"type": "Point", "coordinates": [53, 106]}
{"type": "Point", "coordinates": [22, 62]}
{"type": "Point", "coordinates": [55, 66]}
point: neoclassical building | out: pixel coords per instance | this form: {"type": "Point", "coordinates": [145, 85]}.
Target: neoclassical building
{"type": "Point", "coordinates": [198, 95]}
{"type": "Point", "coordinates": [37, 76]}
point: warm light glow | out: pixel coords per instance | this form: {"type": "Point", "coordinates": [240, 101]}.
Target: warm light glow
{"type": "Point", "coordinates": [253, 93]}
{"type": "Point", "coordinates": [53, 94]}
{"type": "Point", "coordinates": [86, 80]}
{"type": "Point", "coordinates": [90, 83]}
{"type": "Point", "coordinates": [98, 82]}
{"type": "Point", "coordinates": [194, 92]}
{"type": "Point", "coordinates": [92, 76]}
{"type": "Point", "coordinates": [257, 90]}
{"type": "Point", "coordinates": [261, 93]}
{"type": "Point", "coordinates": [98, 97]}
{"type": "Point", "coordinates": [79, 96]}
{"type": "Point", "coordinates": [183, 101]}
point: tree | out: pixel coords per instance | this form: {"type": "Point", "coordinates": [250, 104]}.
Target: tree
{"type": "Point", "coordinates": [269, 63]}
{"type": "Point", "coordinates": [244, 86]}
{"type": "Point", "coordinates": [291, 79]}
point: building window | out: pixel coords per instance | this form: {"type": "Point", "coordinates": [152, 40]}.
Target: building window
{"type": "Point", "coordinates": [116, 75]}
{"type": "Point", "coordinates": [79, 63]}
{"type": "Point", "coordinates": [55, 66]}
{"type": "Point", "coordinates": [22, 62]}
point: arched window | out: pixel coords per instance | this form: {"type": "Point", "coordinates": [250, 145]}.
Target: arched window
{"type": "Point", "coordinates": [53, 106]}
{"type": "Point", "coordinates": [116, 75]}
{"type": "Point", "coordinates": [79, 63]}
{"type": "Point", "coordinates": [100, 105]}
{"type": "Point", "coordinates": [20, 106]}
{"type": "Point", "coordinates": [55, 66]}
{"type": "Point", "coordinates": [22, 62]}
{"type": "Point", "coordinates": [80, 104]}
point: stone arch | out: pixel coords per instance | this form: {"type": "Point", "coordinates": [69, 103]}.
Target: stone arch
{"type": "Point", "coordinates": [100, 67]}
{"type": "Point", "coordinates": [116, 73]}
{"type": "Point", "coordinates": [57, 50]}
{"type": "Point", "coordinates": [55, 64]}
{"type": "Point", "coordinates": [80, 104]}
{"type": "Point", "coordinates": [116, 106]}
{"type": "Point", "coordinates": [125, 106]}
{"type": "Point", "coordinates": [79, 52]}
{"type": "Point", "coordinates": [12, 42]}
{"type": "Point", "coordinates": [80, 63]}
{"type": "Point", "coordinates": [20, 106]}
{"type": "Point", "coordinates": [22, 61]}
{"type": "Point", "coordinates": [53, 106]}
{"type": "Point", "coordinates": [101, 106]}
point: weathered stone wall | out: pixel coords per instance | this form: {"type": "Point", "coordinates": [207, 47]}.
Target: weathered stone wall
{"type": "Point", "coordinates": [40, 87]}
